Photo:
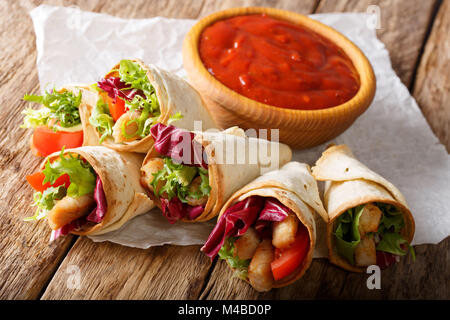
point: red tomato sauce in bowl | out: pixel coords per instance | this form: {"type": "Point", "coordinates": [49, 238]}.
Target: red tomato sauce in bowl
{"type": "Point", "coordinates": [278, 63]}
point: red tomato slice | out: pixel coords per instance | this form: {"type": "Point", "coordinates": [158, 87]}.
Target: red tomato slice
{"type": "Point", "coordinates": [287, 260]}
{"type": "Point", "coordinates": [36, 181]}
{"type": "Point", "coordinates": [116, 108]}
{"type": "Point", "coordinates": [46, 141]}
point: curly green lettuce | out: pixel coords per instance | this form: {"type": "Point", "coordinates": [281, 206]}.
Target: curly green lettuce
{"type": "Point", "coordinates": [82, 175]}
{"type": "Point", "coordinates": [61, 108]}
{"type": "Point", "coordinates": [146, 106]}
{"type": "Point", "coordinates": [177, 179]}
{"type": "Point", "coordinates": [228, 253]}
{"type": "Point", "coordinates": [45, 201]}
{"type": "Point", "coordinates": [392, 222]}
{"type": "Point", "coordinates": [101, 119]}
{"type": "Point", "coordinates": [135, 77]}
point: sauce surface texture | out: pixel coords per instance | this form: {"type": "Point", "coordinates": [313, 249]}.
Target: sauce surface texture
{"type": "Point", "coordinates": [278, 63]}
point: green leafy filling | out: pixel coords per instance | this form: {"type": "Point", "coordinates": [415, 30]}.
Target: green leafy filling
{"type": "Point", "coordinates": [82, 175]}
{"type": "Point", "coordinates": [102, 120]}
{"type": "Point", "coordinates": [228, 253]}
{"type": "Point", "coordinates": [59, 106]}
{"type": "Point", "coordinates": [391, 223]}
{"type": "Point", "coordinates": [45, 201]}
{"type": "Point", "coordinates": [147, 107]}
{"type": "Point", "coordinates": [347, 234]}
{"type": "Point", "coordinates": [177, 179]}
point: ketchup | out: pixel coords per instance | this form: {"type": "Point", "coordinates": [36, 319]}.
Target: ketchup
{"type": "Point", "coordinates": [278, 63]}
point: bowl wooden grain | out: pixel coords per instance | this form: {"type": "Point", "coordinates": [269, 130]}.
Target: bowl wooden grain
{"type": "Point", "coordinates": [297, 128]}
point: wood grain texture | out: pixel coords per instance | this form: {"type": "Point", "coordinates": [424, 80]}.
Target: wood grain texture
{"type": "Point", "coordinates": [403, 27]}
{"type": "Point", "coordinates": [110, 271]}
{"type": "Point", "coordinates": [304, 6]}
{"type": "Point", "coordinates": [28, 262]}
{"type": "Point", "coordinates": [425, 278]}
{"type": "Point", "coordinates": [432, 86]}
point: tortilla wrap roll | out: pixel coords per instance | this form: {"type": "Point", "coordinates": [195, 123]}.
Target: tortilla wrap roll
{"type": "Point", "coordinates": [92, 190]}
{"type": "Point", "coordinates": [369, 219]}
{"type": "Point", "coordinates": [193, 189]}
{"type": "Point", "coordinates": [168, 97]}
{"type": "Point", "coordinates": [276, 212]}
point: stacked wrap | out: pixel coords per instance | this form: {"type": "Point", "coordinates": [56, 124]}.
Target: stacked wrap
{"type": "Point", "coordinates": [174, 95]}
{"type": "Point", "coordinates": [294, 186]}
{"type": "Point", "coordinates": [349, 183]}
{"type": "Point", "coordinates": [119, 173]}
{"type": "Point", "coordinates": [226, 169]}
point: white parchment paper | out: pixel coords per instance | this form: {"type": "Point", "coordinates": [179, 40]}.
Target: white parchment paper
{"type": "Point", "coordinates": [392, 137]}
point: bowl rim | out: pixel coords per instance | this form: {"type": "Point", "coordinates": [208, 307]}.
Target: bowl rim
{"type": "Point", "coordinates": [357, 104]}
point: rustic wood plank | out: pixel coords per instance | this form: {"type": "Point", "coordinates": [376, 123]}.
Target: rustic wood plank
{"type": "Point", "coordinates": [432, 86]}
{"type": "Point", "coordinates": [110, 271]}
{"type": "Point", "coordinates": [304, 7]}
{"type": "Point", "coordinates": [27, 260]}
{"type": "Point", "coordinates": [320, 281]}
{"type": "Point", "coordinates": [426, 278]}
{"type": "Point", "coordinates": [404, 24]}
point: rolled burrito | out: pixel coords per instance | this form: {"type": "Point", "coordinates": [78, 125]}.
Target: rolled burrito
{"type": "Point", "coordinates": [131, 98]}
{"type": "Point", "coordinates": [88, 190]}
{"type": "Point", "coordinates": [266, 231]}
{"type": "Point", "coordinates": [369, 220]}
{"type": "Point", "coordinates": [190, 175]}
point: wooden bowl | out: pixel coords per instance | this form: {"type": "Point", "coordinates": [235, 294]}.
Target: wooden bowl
{"type": "Point", "coordinates": [298, 128]}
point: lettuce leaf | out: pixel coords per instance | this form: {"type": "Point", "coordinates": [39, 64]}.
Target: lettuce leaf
{"type": "Point", "coordinates": [227, 253]}
{"type": "Point", "coordinates": [82, 175]}
{"type": "Point", "coordinates": [45, 201]}
{"type": "Point", "coordinates": [134, 87]}
{"type": "Point", "coordinates": [101, 119]}
{"type": "Point", "coordinates": [149, 114]}
{"type": "Point", "coordinates": [347, 233]}
{"type": "Point", "coordinates": [391, 242]}
{"type": "Point", "coordinates": [135, 77]}
{"type": "Point", "coordinates": [62, 107]}
{"type": "Point", "coordinates": [177, 179]}
{"type": "Point", "coordinates": [392, 222]}
{"type": "Point", "coordinates": [205, 188]}
{"type": "Point", "coordinates": [35, 118]}
{"type": "Point", "coordinates": [175, 117]}
{"type": "Point", "coordinates": [392, 218]}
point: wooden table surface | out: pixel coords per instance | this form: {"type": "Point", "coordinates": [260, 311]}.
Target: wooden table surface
{"type": "Point", "coordinates": [416, 33]}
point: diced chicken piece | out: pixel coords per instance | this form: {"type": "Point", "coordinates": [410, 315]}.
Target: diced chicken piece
{"type": "Point", "coordinates": [370, 219]}
{"type": "Point", "coordinates": [130, 128]}
{"type": "Point", "coordinates": [283, 232]}
{"type": "Point", "coordinates": [247, 243]}
{"type": "Point", "coordinates": [69, 209]}
{"type": "Point", "coordinates": [365, 252]}
{"type": "Point", "coordinates": [152, 166]}
{"type": "Point", "coordinates": [259, 271]}
{"type": "Point", "coordinates": [194, 187]}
